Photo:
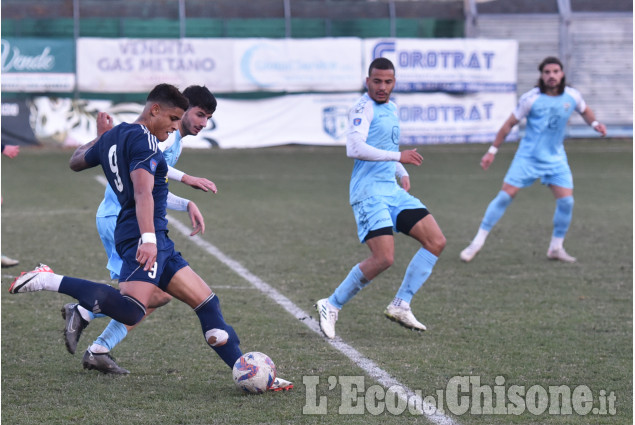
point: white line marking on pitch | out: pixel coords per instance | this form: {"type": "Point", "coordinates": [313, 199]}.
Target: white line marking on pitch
{"type": "Point", "coordinates": [366, 364]}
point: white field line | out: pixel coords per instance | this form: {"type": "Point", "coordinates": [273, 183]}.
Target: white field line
{"type": "Point", "coordinates": [366, 364]}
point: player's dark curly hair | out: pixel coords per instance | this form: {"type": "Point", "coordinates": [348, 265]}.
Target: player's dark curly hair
{"type": "Point", "coordinates": [201, 96]}
{"type": "Point", "coordinates": [169, 95]}
{"type": "Point", "coordinates": [547, 61]}
{"type": "Point", "coordinates": [381, 63]}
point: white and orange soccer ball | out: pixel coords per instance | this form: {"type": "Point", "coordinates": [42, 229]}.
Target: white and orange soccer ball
{"type": "Point", "coordinates": [254, 372]}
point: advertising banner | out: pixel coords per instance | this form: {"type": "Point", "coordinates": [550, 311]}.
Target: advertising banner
{"type": "Point", "coordinates": [38, 65]}
{"type": "Point", "coordinates": [449, 65]}
{"type": "Point", "coordinates": [128, 65]}
{"type": "Point", "coordinates": [292, 65]}
{"type": "Point", "coordinates": [429, 118]}
{"type": "Point", "coordinates": [16, 129]}
{"type": "Point", "coordinates": [315, 119]}
{"type": "Point", "coordinates": [311, 119]}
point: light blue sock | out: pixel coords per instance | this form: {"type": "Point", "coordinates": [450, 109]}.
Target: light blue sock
{"type": "Point", "coordinates": [495, 210]}
{"type": "Point", "coordinates": [417, 273]}
{"type": "Point", "coordinates": [562, 216]}
{"type": "Point", "coordinates": [114, 333]}
{"type": "Point", "coordinates": [92, 315]}
{"type": "Point", "coordinates": [354, 282]}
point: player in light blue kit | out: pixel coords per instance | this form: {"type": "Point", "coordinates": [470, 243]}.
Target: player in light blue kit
{"type": "Point", "coordinates": [202, 105]}
{"type": "Point", "coordinates": [381, 206]}
{"type": "Point", "coordinates": [540, 154]}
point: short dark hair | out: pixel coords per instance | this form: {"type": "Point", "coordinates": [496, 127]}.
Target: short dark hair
{"type": "Point", "coordinates": [549, 60]}
{"type": "Point", "coordinates": [201, 96]}
{"type": "Point", "coordinates": [167, 94]}
{"type": "Point", "coordinates": [381, 63]}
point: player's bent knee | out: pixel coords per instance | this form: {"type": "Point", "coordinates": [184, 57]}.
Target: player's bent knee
{"type": "Point", "coordinates": [440, 243]}
{"type": "Point", "coordinates": [132, 314]}
{"type": "Point", "coordinates": [216, 337]}
{"type": "Point", "coordinates": [131, 317]}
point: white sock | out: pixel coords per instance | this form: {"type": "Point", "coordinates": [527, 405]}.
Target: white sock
{"type": "Point", "coordinates": [51, 281]}
{"type": "Point", "coordinates": [480, 237]}
{"type": "Point", "coordinates": [98, 349]}
{"type": "Point", "coordinates": [85, 314]}
{"type": "Point", "coordinates": [556, 243]}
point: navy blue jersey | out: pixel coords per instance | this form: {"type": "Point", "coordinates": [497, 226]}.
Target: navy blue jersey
{"type": "Point", "coordinates": [125, 148]}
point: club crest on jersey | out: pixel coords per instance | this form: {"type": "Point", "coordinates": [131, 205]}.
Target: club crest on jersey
{"type": "Point", "coordinates": [153, 165]}
{"type": "Point", "coordinates": [357, 121]}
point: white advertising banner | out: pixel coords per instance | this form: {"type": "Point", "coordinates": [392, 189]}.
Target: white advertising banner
{"type": "Point", "coordinates": [322, 119]}
{"type": "Point", "coordinates": [311, 119]}
{"type": "Point", "coordinates": [429, 118]}
{"type": "Point", "coordinates": [450, 65]}
{"type": "Point", "coordinates": [314, 119]}
{"type": "Point", "coordinates": [128, 65]}
{"type": "Point", "coordinates": [324, 64]}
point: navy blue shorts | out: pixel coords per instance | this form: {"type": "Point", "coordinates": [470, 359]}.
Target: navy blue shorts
{"type": "Point", "coordinates": [168, 262]}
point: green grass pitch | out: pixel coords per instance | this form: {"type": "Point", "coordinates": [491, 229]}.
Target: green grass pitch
{"type": "Point", "coordinates": [283, 214]}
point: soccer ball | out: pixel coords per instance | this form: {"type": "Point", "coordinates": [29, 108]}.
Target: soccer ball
{"type": "Point", "coordinates": [254, 372]}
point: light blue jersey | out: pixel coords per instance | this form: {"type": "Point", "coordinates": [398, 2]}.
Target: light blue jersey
{"type": "Point", "coordinates": [379, 126]}
{"type": "Point", "coordinates": [172, 148]}
{"type": "Point", "coordinates": [547, 118]}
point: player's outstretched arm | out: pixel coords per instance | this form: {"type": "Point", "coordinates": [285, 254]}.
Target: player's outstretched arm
{"type": "Point", "coordinates": [488, 158]}
{"type": "Point", "coordinates": [195, 182]}
{"type": "Point", "coordinates": [411, 156]}
{"type": "Point", "coordinates": [198, 223]}
{"type": "Point", "coordinates": [78, 161]}
{"type": "Point", "coordinates": [199, 183]}
{"type": "Point", "coordinates": [402, 175]}
{"type": "Point", "coordinates": [10, 150]}
{"type": "Point", "coordinates": [181, 204]}
{"type": "Point", "coordinates": [589, 118]}
{"type": "Point", "coordinates": [104, 123]}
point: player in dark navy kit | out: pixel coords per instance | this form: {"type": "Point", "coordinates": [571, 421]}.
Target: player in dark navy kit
{"type": "Point", "coordinates": [137, 172]}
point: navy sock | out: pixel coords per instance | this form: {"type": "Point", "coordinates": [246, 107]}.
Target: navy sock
{"type": "Point", "coordinates": [102, 298]}
{"type": "Point", "coordinates": [211, 317]}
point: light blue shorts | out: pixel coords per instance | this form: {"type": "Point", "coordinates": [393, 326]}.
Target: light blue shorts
{"type": "Point", "coordinates": [106, 228]}
{"type": "Point", "coordinates": [378, 212]}
{"type": "Point", "coordinates": [523, 172]}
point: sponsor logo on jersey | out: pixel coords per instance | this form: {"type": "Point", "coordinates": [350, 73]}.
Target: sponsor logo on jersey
{"type": "Point", "coordinates": [153, 165]}
{"type": "Point", "coordinates": [357, 121]}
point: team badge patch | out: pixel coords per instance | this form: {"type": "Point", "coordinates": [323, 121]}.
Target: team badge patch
{"type": "Point", "coordinates": [357, 121]}
{"type": "Point", "coordinates": [153, 165]}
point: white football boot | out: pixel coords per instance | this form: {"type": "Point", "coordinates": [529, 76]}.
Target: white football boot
{"type": "Point", "coordinates": [561, 255]}
{"type": "Point", "coordinates": [8, 261]}
{"type": "Point", "coordinates": [328, 316]}
{"type": "Point", "coordinates": [30, 281]}
{"type": "Point", "coordinates": [281, 385]}
{"type": "Point", "coordinates": [403, 316]}
{"type": "Point", "coordinates": [470, 252]}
